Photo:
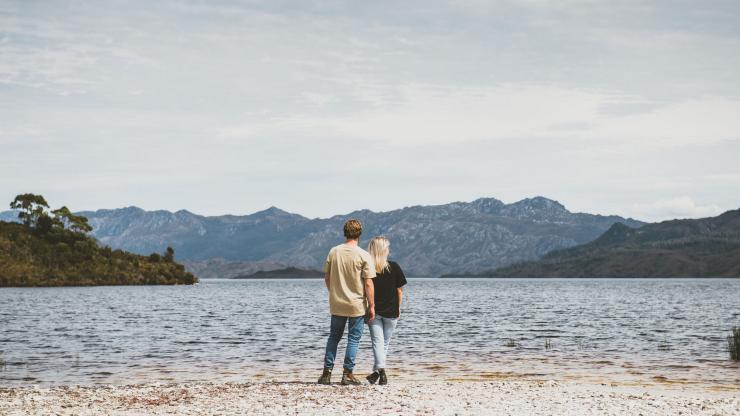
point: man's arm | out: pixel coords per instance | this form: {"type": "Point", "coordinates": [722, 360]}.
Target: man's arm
{"type": "Point", "coordinates": [327, 269]}
{"type": "Point", "coordinates": [370, 295]}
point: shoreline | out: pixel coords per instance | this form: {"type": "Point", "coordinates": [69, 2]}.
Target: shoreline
{"type": "Point", "coordinates": [530, 397]}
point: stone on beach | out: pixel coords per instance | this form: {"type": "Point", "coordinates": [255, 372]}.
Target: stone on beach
{"type": "Point", "coordinates": [434, 398]}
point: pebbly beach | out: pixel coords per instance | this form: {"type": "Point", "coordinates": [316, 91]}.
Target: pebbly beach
{"type": "Point", "coordinates": [503, 397]}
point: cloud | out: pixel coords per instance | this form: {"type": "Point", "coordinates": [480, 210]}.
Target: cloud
{"type": "Point", "coordinates": [434, 114]}
{"type": "Point", "coordinates": [414, 114]}
{"type": "Point", "coordinates": [600, 105]}
{"type": "Point", "coordinates": [703, 120]}
{"type": "Point", "coordinates": [679, 207]}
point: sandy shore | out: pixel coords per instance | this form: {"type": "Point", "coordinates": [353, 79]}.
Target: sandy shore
{"type": "Point", "coordinates": [416, 398]}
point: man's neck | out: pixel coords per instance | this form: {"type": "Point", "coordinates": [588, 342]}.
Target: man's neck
{"type": "Point", "coordinates": [353, 242]}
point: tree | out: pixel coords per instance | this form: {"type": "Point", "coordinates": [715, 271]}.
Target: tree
{"type": "Point", "coordinates": [31, 207]}
{"type": "Point", "coordinates": [76, 223]}
{"type": "Point", "coordinates": [45, 223]}
{"type": "Point", "coordinates": [169, 255]}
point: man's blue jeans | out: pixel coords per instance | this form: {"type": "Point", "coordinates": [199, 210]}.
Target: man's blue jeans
{"type": "Point", "coordinates": [356, 326]}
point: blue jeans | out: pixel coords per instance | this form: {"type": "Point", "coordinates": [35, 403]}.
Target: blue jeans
{"type": "Point", "coordinates": [356, 326]}
{"type": "Point", "coordinates": [381, 330]}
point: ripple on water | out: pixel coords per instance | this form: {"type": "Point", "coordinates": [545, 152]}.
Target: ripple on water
{"type": "Point", "coordinates": [226, 329]}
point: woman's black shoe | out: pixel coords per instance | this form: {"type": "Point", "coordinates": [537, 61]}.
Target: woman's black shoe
{"type": "Point", "coordinates": [383, 380]}
{"type": "Point", "coordinates": [373, 378]}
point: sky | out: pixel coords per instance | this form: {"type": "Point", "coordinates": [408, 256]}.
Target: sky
{"type": "Point", "coordinates": [321, 108]}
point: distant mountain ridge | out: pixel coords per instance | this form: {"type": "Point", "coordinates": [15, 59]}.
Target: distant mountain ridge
{"type": "Point", "coordinates": [706, 247]}
{"type": "Point", "coordinates": [425, 240]}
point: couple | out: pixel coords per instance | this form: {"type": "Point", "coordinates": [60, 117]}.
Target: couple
{"type": "Point", "coordinates": [363, 287]}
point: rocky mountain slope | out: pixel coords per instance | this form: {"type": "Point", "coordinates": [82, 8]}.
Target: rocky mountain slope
{"type": "Point", "coordinates": [707, 247]}
{"type": "Point", "coordinates": [426, 240]}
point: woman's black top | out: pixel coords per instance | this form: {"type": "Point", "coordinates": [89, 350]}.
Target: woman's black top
{"type": "Point", "coordinates": [386, 295]}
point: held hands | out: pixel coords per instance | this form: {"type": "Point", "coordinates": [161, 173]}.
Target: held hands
{"type": "Point", "coordinates": [370, 313]}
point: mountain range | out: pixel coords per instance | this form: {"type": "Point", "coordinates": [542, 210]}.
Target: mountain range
{"type": "Point", "coordinates": [706, 247]}
{"type": "Point", "coordinates": [460, 237]}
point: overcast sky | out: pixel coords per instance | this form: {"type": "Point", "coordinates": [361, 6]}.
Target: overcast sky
{"type": "Point", "coordinates": [320, 108]}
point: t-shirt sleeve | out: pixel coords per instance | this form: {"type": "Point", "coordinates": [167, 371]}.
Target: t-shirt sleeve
{"type": "Point", "coordinates": [400, 277]}
{"type": "Point", "coordinates": [368, 267]}
{"type": "Point", "coordinates": [327, 264]}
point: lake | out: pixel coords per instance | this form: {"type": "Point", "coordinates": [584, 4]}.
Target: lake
{"type": "Point", "coordinates": [628, 330]}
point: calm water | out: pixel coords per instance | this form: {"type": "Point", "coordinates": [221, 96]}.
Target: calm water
{"type": "Point", "coordinates": [629, 330]}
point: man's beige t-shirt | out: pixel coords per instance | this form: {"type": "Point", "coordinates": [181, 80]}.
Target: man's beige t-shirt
{"type": "Point", "coordinates": [347, 266]}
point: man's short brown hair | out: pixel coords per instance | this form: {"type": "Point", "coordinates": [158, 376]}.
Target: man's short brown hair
{"type": "Point", "coordinates": [353, 229]}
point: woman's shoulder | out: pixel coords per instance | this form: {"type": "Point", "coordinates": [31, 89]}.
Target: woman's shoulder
{"type": "Point", "coordinates": [394, 265]}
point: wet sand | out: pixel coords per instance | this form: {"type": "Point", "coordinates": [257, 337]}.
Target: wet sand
{"type": "Point", "coordinates": [504, 397]}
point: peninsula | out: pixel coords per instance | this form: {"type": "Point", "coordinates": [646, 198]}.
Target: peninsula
{"type": "Point", "coordinates": [52, 248]}
{"type": "Point", "coordinates": [286, 273]}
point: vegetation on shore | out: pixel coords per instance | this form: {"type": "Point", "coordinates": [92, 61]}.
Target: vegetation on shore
{"type": "Point", "coordinates": [733, 344]}
{"type": "Point", "coordinates": [707, 247]}
{"type": "Point", "coordinates": [52, 248]}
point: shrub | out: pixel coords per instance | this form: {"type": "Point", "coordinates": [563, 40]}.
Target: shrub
{"type": "Point", "coordinates": [733, 344]}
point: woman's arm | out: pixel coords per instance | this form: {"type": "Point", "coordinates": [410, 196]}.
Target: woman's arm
{"type": "Point", "coordinates": [400, 299]}
{"type": "Point", "coordinates": [400, 283]}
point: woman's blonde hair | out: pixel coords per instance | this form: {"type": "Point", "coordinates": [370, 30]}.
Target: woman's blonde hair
{"type": "Point", "coordinates": [379, 248]}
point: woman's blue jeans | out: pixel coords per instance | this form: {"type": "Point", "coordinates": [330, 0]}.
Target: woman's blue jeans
{"type": "Point", "coordinates": [381, 330]}
{"type": "Point", "coordinates": [356, 326]}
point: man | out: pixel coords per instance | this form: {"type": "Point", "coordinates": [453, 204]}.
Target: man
{"type": "Point", "coordinates": [348, 275]}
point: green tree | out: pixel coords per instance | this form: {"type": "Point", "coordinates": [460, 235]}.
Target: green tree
{"type": "Point", "coordinates": [76, 223]}
{"type": "Point", "coordinates": [45, 223]}
{"type": "Point", "coordinates": [169, 255]}
{"type": "Point", "coordinates": [31, 207]}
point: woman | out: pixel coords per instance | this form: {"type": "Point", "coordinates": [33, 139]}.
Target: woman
{"type": "Point", "coordinates": [388, 283]}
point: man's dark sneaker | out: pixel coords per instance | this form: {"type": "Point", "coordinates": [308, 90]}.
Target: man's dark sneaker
{"type": "Point", "coordinates": [383, 380]}
{"type": "Point", "coordinates": [373, 378]}
{"type": "Point", "coordinates": [348, 379]}
{"type": "Point", "coordinates": [325, 376]}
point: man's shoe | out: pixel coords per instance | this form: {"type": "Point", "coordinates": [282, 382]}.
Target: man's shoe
{"type": "Point", "coordinates": [373, 378]}
{"type": "Point", "coordinates": [325, 376]}
{"type": "Point", "coordinates": [348, 379]}
{"type": "Point", "coordinates": [383, 380]}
